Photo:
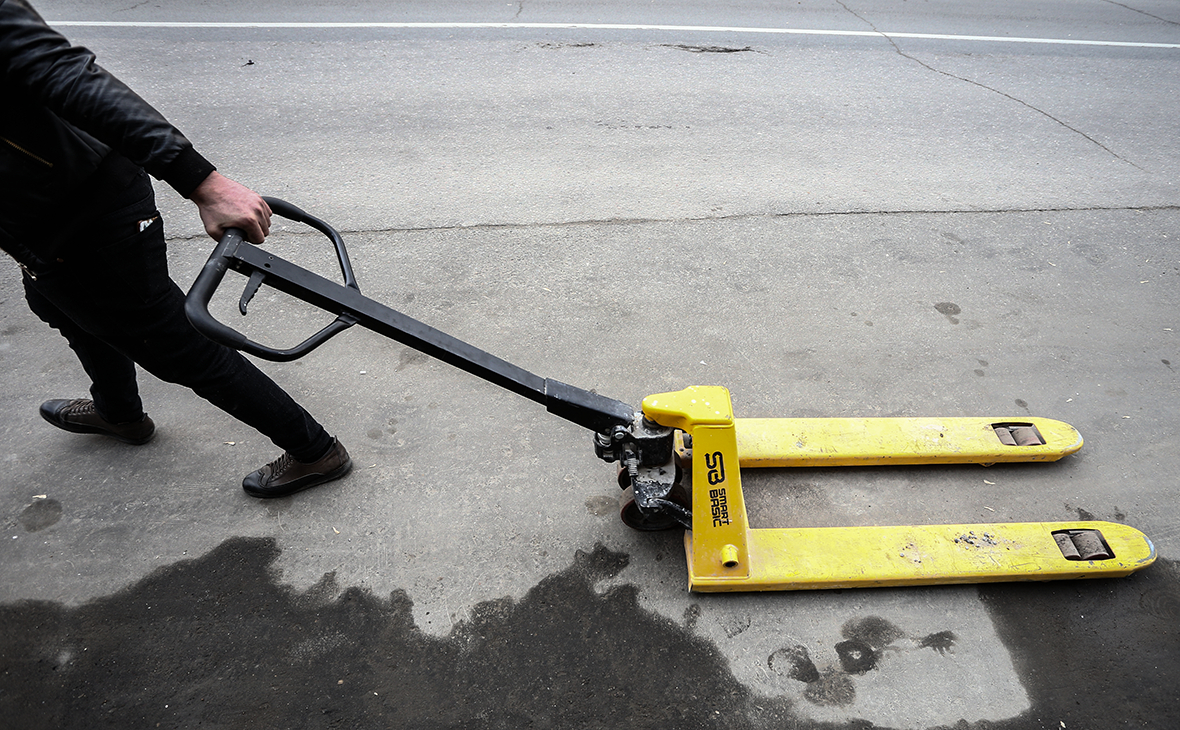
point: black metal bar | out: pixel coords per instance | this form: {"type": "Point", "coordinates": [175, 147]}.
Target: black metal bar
{"type": "Point", "coordinates": [587, 409]}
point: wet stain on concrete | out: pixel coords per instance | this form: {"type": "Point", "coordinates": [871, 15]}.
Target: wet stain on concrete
{"type": "Point", "coordinates": [219, 642]}
{"type": "Point", "coordinates": [1161, 603]}
{"type": "Point", "coordinates": [939, 641]}
{"type": "Point", "coordinates": [1088, 654]}
{"type": "Point", "coordinates": [40, 514]}
{"type": "Point", "coordinates": [950, 310]}
{"type": "Point", "coordinates": [734, 625]}
{"type": "Point", "coordinates": [794, 662]}
{"type": "Point", "coordinates": [832, 689]}
{"type": "Point", "coordinates": [874, 631]}
{"type": "Point", "coordinates": [601, 506]}
{"type": "Point", "coordinates": [1084, 515]}
{"type": "Point", "coordinates": [864, 641]}
{"type": "Point", "coordinates": [856, 657]}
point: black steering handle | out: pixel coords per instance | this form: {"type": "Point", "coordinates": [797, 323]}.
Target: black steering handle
{"type": "Point", "coordinates": [227, 255]}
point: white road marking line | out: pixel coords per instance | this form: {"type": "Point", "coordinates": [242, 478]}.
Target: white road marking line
{"type": "Point", "coordinates": [607, 26]}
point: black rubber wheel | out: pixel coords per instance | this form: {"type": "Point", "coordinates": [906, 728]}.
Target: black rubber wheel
{"type": "Point", "coordinates": [636, 520]}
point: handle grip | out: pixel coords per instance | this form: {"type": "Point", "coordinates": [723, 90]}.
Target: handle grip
{"type": "Point", "coordinates": [196, 305]}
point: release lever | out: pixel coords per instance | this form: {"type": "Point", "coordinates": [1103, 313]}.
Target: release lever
{"type": "Point", "coordinates": [252, 287]}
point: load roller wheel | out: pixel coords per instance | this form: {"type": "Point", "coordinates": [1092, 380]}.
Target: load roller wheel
{"type": "Point", "coordinates": [636, 520]}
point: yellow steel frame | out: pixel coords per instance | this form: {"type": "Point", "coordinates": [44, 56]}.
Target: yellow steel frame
{"type": "Point", "coordinates": [726, 554]}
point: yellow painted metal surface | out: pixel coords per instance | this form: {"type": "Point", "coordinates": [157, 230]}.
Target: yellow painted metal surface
{"type": "Point", "coordinates": [699, 405]}
{"type": "Point", "coordinates": [860, 557]}
{"type": "Point", "coordinates": [718, 507]}
{"type": "Point", "coordinates": [881, 441]}
{"type": "Point", "coordinates": [725, 554]}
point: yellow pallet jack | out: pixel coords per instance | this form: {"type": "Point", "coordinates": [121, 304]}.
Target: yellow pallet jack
{"type": "Point", "coordinates": [680, 457]}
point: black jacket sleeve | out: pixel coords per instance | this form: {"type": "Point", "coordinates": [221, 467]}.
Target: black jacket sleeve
{"type": "Point", "coordinates": [39, 64]}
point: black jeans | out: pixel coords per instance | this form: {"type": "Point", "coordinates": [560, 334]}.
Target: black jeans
{"type": "Point", "coordinates": [111, 297]}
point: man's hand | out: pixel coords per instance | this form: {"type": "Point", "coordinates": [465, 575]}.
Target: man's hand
{"type": "Point", "coordinates": [224, 204]}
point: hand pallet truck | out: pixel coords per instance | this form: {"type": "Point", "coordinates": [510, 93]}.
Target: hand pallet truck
{"type": "Point", "coordinates": [696, 426]}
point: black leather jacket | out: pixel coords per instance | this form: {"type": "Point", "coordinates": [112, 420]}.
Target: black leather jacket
{"type": "Point", "coordinates": [68, 131]}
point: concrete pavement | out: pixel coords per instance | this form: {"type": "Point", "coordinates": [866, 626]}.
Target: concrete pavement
{"type": "Point", "coordinates": [824, 226]}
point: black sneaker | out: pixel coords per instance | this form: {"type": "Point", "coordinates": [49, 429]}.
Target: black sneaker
{"type": "Point", "coordinates": [286, 475]}
{"type": "Point", "coordinates": [80, 416]}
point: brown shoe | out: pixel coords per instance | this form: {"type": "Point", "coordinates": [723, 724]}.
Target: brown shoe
{"type": "Point", "coordinates": [286, 475]}
{"type": "Point", "coordinates": [80, 416]}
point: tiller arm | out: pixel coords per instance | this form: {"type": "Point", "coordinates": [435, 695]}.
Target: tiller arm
{"type": "Point", "coordinates": [621, 434]}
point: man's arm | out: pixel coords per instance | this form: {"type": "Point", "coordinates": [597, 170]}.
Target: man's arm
{"type": "Point", "coordinates": [66, 80]}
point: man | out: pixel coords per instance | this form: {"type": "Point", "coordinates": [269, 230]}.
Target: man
{"type": "Point", "coordinates": [77, 212]}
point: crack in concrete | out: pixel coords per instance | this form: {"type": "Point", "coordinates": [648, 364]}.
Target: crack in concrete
{"type": "Point", "coordinates": [136, 6]}
{"type": "Point", "coordinates": [725, 218]}
{"type": "Point", "coordinates": [1142, 12]}
{"type": "Point", "coordinates": [710, 49]}
{"type": "Point", "coordinates": [519, 10]}
{"type": "Point", "coordinates": [948, 74]}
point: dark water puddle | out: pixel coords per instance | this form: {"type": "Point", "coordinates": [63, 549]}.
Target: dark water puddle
{"type": "Point", "coordinates": [1102, 654]}
{"type": "Point", "coordinates": [219, 642]}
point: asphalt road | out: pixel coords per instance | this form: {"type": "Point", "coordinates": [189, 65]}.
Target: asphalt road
{"type": "Point", "coordinates": [830, 208]}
